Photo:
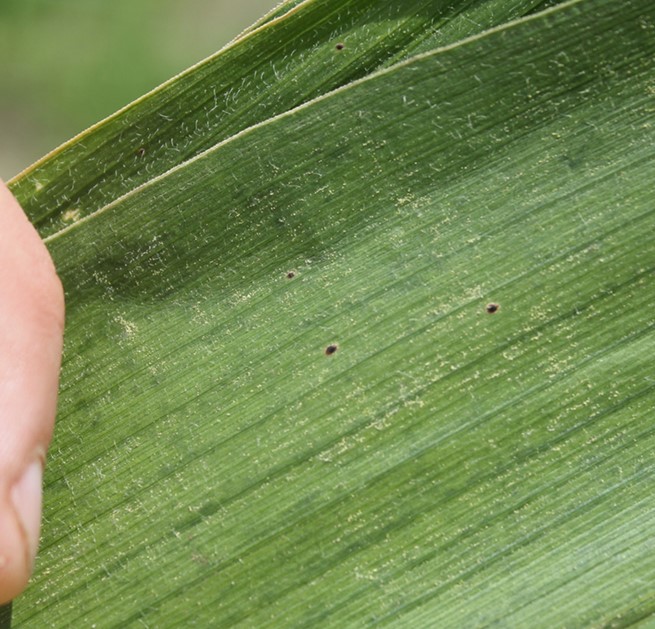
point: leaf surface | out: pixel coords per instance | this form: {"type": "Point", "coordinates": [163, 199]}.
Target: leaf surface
{"type": "Point", "coordinates": [446, 465]}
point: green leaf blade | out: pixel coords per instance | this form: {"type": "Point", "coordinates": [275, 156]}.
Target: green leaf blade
{"type": "Point", "coordinates": [446, 466]}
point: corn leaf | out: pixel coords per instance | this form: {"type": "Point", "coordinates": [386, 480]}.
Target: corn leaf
{"type": "Point", "coordinates": [376, 353]}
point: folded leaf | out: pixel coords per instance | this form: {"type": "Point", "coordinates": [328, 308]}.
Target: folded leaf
{"type": "Point", "coordinates": [281, 65]}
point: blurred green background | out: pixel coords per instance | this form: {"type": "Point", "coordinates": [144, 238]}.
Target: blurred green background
{"type": "Point", "coordinates": [66, 64]}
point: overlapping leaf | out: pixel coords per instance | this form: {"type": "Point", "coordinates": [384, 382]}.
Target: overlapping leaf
{"type": "Point", "coordinates": [287, 61]}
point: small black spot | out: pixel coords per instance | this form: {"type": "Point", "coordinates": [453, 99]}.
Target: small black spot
{"type": "Point", "coordinates": [340, 46]}
{"type": "Point", "coordinates": [491, 308]}
{"type": "Point", "coordinates": [141, 151]}
{"type": "Point", "coordinates": [330, 349]}
{"type": "Point", "coordinates": [291, 275]}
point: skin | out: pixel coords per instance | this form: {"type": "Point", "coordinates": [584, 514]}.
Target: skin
{"type": "Point", "coordinates": [31, 333]}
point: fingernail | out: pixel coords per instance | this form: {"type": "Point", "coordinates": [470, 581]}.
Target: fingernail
{"type": "Point", "coordinates": [26, 496]}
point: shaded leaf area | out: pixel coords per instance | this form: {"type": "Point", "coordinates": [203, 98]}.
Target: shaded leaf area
{"type": "Point", "coordinates": [279, 66]}
{"type": "Point", "coordinates": [444, 466]}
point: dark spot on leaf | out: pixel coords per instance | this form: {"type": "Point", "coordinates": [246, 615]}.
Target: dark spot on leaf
{"type": "Point", "coordinates": [141, 151]}
{"type": "Point", "coordinates": [291, 275]}
{"type": "Point", "coordinates": [330, 349]}
{"type": "Point", "coordinates": [340, 46]}
{"type": "Point", "coordinates": [491, 308]}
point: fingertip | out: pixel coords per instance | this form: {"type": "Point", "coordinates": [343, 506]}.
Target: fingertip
{"type": "Point", "coordinates": [31, 339]}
